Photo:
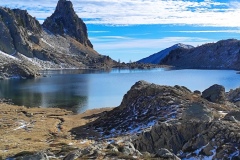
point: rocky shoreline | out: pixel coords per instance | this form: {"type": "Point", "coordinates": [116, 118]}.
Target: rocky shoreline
{"type": "Point", "coordinates": [152, 122]}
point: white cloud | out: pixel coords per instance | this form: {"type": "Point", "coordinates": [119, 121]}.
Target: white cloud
{"type": "Point", "coordinates": [129, 12]}
{"type": "Point", "coordinates": [165, 42]}
{"type": "Point", "coordinates": [135, 49]}
{"type": "Point", "coordinates": [208, 31]}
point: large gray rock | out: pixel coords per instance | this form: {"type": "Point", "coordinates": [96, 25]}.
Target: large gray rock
{"type": "Point", "coordinates": [197, 112]}
{"type": "Point", "coordinates": [215, 93]}
{"type": "Point", "coordinates": [166, 154]}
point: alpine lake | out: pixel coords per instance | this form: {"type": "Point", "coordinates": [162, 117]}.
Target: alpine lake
{"type": "Point", "coordinates": [79, 90]}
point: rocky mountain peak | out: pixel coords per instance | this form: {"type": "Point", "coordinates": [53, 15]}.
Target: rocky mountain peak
{"type": "Point", "coordinates": [185, 46]}
{"type": "Point", "coordinates": [64, 6]}
{"type": "Point", "coordinates": [64, 21]}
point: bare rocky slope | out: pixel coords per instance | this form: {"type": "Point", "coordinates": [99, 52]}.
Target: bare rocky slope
{"type": "Point", "coordinates": [224, 54]}
{"type": "Point", "coordinates": [61, 42]}
{"type": "Point", "coordinates": [157, 57]}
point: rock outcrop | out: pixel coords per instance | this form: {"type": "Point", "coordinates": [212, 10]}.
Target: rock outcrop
{"type": "Point", "coordinates": [65, 21]}
{"type": "Point", "coordinates": [19, 29]}
{"type": "Point", "coordinates": [223, 54]}
{"type": "Point", "coordinates": [215, 139]}
{"type": "Point", "coordinates": [215, 93]}
{"type": "Point", "coordinates": [145, 104]}
{"type": "Point", "coordinates": [234, 96]}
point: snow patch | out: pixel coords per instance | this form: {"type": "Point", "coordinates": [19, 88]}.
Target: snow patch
{"type": "Point", "coordinates": [83, 142]}
{"type": "Point", "coordinates": [43, 40]}
{"type": "Point", "coordinates": [9, 56]}
{"type": "Point", "coordinates": [23, 125]}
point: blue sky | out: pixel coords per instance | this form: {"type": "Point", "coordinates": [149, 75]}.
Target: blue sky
{"type": "Point", "coordinates": [133, 29]}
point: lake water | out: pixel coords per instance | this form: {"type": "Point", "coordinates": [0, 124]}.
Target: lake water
{"type": "Point", "coordinates": [78, 90]}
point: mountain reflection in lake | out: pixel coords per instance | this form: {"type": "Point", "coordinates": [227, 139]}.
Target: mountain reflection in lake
{"type": "Point", "coordinates": [52, 91]}
{"type": "Point", "coordinates": [78, 90]}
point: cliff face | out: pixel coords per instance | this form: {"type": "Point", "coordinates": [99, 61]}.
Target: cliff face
{"type": "Point", "coordinates": [224, 54]}
{"type": "Point", "coordinates": [65, 21]}
{"type": "Point", "coordinates": [19, 31]}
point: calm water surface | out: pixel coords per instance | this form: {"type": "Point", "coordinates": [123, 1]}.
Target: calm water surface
{"type": "Point", "coordinates": [78, 90]}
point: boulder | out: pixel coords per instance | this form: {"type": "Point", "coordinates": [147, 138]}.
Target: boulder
{"type": "Point", "coordinates": [197, 92]}
{"type": "Point", "coordinates": [215, 93]}
{"type": "Point", "coordinates": [166, 154]}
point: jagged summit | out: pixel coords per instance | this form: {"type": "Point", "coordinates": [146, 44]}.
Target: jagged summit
{"type": "Point", "coordinates": [64, 7]}
{"type": "Point", "coordinates": [65, 21]}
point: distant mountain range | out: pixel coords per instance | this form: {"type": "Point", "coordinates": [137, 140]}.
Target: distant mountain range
{"type": "Point", "coordinates": [224, 54]}
{"type": "Point", "coordinates": [157, 57]}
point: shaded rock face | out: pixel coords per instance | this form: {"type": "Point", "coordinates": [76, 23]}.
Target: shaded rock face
{"type": "Point", "coordinates": [18, 26]}
{"type": "Point", "coordinates": [27, 21]}
{"type": "Point", "coordinates": [223, 54]}
{"type": "Point", "coordinates": [215, 93]}
{"type": "Point", "coordinates": [65, 21]}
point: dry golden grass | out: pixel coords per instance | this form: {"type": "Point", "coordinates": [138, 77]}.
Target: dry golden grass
{"type": "Point", "coordinates": [35, 129]}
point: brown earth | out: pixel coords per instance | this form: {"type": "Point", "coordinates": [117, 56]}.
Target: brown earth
{"type": "Point", "coordinates": [36, 129]}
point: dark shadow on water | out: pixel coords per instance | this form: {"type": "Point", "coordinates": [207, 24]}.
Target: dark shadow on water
{"type": "Point", "coordinates": [69, 93]}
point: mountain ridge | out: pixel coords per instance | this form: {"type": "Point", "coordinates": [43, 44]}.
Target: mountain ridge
{"type": "Point", "coordinates": [157, 57]}
{"type": "Point", "coordinates": [224, 54]}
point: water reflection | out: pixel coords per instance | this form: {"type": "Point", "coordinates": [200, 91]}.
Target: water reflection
{"type": "Point", "coordinates": [78, 90]}
{"type": "Point", "coordinates": [55, 91]}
